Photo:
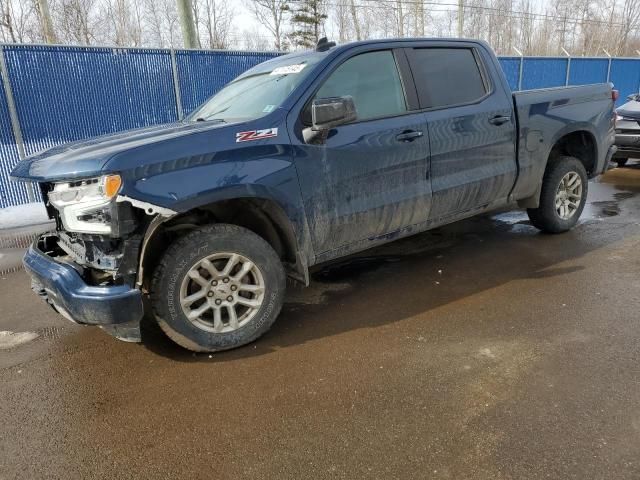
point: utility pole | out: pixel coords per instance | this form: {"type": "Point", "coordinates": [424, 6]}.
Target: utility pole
{"type": "Point", "coordinates": [185, 11]}
{"type": "Point", "coordinates": [45, 20]}
{"type": "Point", "coordinates": [460, 18]}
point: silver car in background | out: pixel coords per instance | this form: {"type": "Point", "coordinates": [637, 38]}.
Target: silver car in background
{"type": "Point", "coordinates": [628, 130]}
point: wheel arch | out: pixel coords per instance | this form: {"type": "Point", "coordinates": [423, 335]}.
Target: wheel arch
{"type": "Point", "coordinates": [262, 215]}
{"type": "Point", "coordinates": [577, 141]}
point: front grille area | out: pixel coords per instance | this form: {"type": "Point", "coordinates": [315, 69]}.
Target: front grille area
{"type": "Point", "coordinates": [45, 188]}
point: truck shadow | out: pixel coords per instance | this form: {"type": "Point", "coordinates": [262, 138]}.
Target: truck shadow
{"type": "Point", "coordinates": [418, 274]}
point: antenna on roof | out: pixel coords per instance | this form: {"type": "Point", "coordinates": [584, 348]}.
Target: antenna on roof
{"type": "Point", "coordinates": [324, 45]}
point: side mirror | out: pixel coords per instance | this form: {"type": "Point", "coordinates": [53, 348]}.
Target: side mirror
{"type": "Point", "coordinates": [327, 113]}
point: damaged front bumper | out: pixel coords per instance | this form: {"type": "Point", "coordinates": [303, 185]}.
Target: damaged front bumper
{"type": "Point", "coordinates": [65, 289]}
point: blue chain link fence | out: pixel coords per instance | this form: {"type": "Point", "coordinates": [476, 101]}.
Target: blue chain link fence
{"type": "Point", "coordinates": [62, 94]}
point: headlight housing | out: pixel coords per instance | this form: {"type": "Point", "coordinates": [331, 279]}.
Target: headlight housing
{"type": "Point", "coordinates": [85, 205]}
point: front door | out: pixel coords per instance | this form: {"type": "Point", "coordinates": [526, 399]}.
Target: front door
{"type": "Point", "coordinates": [370, 177]}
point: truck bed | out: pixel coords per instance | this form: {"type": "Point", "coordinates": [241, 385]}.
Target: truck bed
{"type": "Point", "coordinates": [544, 115]}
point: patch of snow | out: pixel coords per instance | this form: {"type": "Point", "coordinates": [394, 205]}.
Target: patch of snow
{"type": "Point", "coordinates": [15, 339]}
{"type": "Point", "coordinates": [23, 215]}
{"type": "Point", "coordinates": [511, 217]}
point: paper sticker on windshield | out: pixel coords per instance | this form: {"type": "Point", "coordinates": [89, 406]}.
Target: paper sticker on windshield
{"type": "Point", "coordinates": [288, 69]}
{"type": "Point", "coordinates": [256, 135]}
{"type": "Point", "coordinates": [269, 109]}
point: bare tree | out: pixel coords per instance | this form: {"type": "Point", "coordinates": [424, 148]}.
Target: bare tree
{"type": "Point", "coordinates": [77, 21]}
{"type": "Point", "coordinates": [252, 40]}
{"type": "Point", "coordinates": [162, 25]}
{"type": "Point", "coordinates": [341, 21]}
{"type": "Point", "coordinates": [630, 17]}
{"type": "Point", "coordinates": [216, 18]}
{"type": "Point", "coordinates": [19, 22]}
{"type": "Point", "coordinates": [355, 20]}
{"type": "Point", "coordinates": [418, 18]}
{"type": "Point", "coordinates": [7, 21]}
{"type": "Point", "coordinates": [44, 14]}
{"type": "Point", "coordinates": [185, 11]}
{"type": "Point", "coordinates": [271, 14]}
{"type": "Point", "coordinates": [400, 18]}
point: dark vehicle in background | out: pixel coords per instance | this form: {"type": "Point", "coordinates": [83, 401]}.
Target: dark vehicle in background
{"type": "Point", "coordinates": [303, 159]}
{"type": "Point", "coordinates": [628, 130]}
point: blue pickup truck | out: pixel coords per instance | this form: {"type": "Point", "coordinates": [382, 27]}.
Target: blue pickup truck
{"type": "Point", "coordinates": [301, 160]}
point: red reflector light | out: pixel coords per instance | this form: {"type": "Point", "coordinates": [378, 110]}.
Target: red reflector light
{"type": "Point", "coordinates": [615, 95]}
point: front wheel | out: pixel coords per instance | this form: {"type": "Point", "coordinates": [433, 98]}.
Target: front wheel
{"type": "Point", "coordinates": [218, 287]}
{"type": "Point", "coordinates": [562, 197]}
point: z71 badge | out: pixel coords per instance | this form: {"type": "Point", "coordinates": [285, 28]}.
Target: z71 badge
{"type": "Point", "coordinates": [256, 135]}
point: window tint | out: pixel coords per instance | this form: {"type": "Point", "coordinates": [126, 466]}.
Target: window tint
{"type": "Point", "coordinates": [372, 80]}
{"type": "Point", "coordinates": [446, 76]}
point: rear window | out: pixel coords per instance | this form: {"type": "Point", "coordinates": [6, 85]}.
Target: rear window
{"type": "Point", "coordinates": [446, 76]}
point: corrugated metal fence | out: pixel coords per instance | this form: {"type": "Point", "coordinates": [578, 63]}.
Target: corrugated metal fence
{"type": "Point", "coordinates": [526, 73]}
{"type": "Point", "coordinates": [61, 94]}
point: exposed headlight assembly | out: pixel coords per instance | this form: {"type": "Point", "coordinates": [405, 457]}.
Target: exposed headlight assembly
{"type": "Point", "coordinates": [85, 205]}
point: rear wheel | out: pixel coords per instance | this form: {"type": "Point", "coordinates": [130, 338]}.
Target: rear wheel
{"type": "Point", "coordinates": [217, 288]}
{"type": "Point", "coordinates": [563, 196]}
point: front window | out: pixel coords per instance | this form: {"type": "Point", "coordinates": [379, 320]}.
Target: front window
{"type": "Point", "coordinates": [372, 79]}
{"type": "Point", "coordinates": [258, 92]}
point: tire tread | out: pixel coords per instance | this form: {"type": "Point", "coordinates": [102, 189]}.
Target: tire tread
{"type": "Point", "coordinates": [174, 251]}
{"type": "Point", "coordinates": [544, 217]}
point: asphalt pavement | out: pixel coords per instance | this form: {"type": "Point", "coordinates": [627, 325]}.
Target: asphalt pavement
{"type": "Point", "coordinates": [481, 350]}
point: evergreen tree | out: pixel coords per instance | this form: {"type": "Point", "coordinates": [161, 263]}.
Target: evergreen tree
{"type": "Point", "coordinates": [307, 18]}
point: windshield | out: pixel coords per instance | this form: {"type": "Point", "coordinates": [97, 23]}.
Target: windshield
{"type": "Point", "coordinates": [258, 92]}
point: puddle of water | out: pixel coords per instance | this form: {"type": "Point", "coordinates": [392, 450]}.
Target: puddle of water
{"type": "Point", "coordinates": [606, 208]}
{"type": "Point", "coordinates": [624, 195]}
{"type": "Point", "coordinates": [606, 196]}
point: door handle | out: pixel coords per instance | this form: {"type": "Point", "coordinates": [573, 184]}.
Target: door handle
{"type": "Point", "coordinates": [499, 119]}
{"type": "Point", "coordinates": [408, 136]}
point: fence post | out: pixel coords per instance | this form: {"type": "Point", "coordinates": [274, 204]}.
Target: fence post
{"type": "Point", "coordinates": [13, 116]}
{"type": "Point", "coordinates": [521, 68]}
{"type": "Point", "coordinates": [609, 66]}
{"type": "Point", "coordinates": [176, 84]}
{"type": "Point", "coordinates": [566, 78]}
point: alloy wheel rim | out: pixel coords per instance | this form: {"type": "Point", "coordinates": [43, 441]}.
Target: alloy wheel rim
{"type": "Point", "coordinates": [568, 195]}
{"type": "Point", "coordinates": [223, 292]}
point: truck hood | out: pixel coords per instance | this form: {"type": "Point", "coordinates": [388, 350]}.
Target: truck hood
{"type": "Point", "coordinates": [86, 158]}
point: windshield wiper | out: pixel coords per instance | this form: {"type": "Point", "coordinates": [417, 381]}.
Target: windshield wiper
{"type": "Point", "coordinates": [217, 120]}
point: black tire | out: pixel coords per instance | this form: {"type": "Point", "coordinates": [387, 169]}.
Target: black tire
{"type": "Point", "coordinates": [186, 252]}
{"type": "Point", "coordinates": [621, 161]}
{"type": "Point", "coordinates": [546, 217]}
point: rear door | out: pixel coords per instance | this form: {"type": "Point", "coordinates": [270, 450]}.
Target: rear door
{"type": "Point", "coordinates": [471, 127]}
{"type": "Point", "coordinates": [370, 177]}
